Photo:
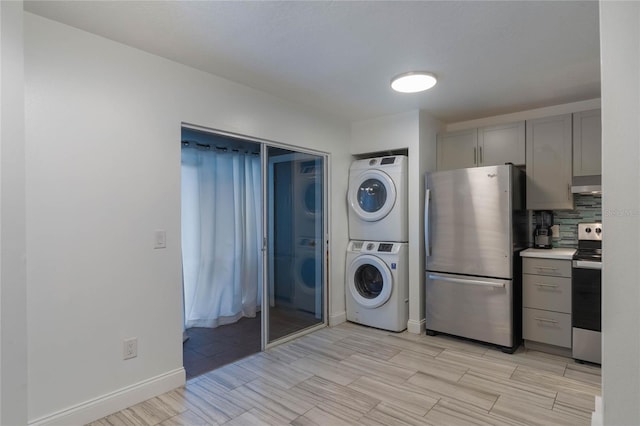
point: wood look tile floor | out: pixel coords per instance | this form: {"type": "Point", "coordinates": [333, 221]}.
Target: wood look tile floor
{"type": "Point", "coordinates": [355, 375]}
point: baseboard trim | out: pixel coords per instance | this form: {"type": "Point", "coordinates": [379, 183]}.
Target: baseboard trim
{"type": "Point", "coordinates": [416, 327]}
{"type": "Point", "coordinates": [338, 318]}
{"type": "Point", "coordinates": [597, 417]}
{"type": "Point", "coordinates": [104, 405]}
{"type": "Point", "coordinates": [550, 349]}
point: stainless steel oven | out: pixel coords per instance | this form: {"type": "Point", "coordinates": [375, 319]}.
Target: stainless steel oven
{"type": "Point", "coordinates": [586, 290]}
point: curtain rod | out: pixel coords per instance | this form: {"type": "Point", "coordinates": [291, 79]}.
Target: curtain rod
{"type": "Point", "coordinates": [207, 147]}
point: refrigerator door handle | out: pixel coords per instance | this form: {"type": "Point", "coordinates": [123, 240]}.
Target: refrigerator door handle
{"type": "Point", "coordinates": [466, 281]}
{"type": "Point", "coordinates": [427, 248]}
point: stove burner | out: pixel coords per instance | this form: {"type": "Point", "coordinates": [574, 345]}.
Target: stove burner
{"type": "Point", "coordinates": [593, 257]}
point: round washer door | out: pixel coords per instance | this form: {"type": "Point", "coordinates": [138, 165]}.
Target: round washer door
{"type": "Point", "coordinates": [306, 266]}
{"type": "Point", "coordinates": [370, 281]}
{"type": "Point", "coordinates": [372, 196]}
{"type": "Point", "coordinates": [310, 197]}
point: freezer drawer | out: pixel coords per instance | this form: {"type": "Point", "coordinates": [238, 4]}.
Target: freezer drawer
{"type": "Point", "coordinates": [545, 292]}
{"type": "Point", "coordinates": [473, 307]}
{"type": "Point", "coordinates": [552, 328]}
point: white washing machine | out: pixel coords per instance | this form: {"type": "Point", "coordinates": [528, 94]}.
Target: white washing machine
{"type": "Point", "coordinates": [377, 199]}
{"type": "Point", "coordinates": [377, 284]}
{"type": "Point", "coordinates": [307, 272]}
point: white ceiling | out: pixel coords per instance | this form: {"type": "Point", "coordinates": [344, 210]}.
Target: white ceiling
{"type": "Point", "coordinates": [338, 56]}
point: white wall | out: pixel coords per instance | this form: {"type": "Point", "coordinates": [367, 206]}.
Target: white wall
{"type": "Point", "coordinates": [620, 67]}
{"type": "Point", "coordinates": [102, 173]}
{"type": "Point", "coordinates": [416, 132]}
{"type": "Point", "coordinates": [13, 329]}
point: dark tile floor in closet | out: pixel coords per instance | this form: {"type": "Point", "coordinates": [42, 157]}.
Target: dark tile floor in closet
{"type": "Point", "coordinates": [211, 348]}
{"type": "Point", "coordinates": [285, 320]}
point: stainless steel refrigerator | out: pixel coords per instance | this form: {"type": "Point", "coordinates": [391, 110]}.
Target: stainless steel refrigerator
{"type": "Point", "coordinates": [475, 225]}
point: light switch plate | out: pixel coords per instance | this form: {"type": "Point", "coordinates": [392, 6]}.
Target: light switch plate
{"type": "Point", "coordinates": [555, 232]}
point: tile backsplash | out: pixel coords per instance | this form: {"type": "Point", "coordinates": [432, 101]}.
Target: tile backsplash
{"type": "Point", "coordinates": [588, 208]}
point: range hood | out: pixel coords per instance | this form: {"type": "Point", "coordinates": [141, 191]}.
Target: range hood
{"type": "Point", "coordinates": [587, 184]}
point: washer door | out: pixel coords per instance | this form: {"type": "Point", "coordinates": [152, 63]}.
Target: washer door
{"type": "Point", "coordinates": [370, 281]}
{"type": "Point", "coordinates": [311, 202]}
{"type": "Point", "coordinates": [372, 196]}
{"type": "Point", "coordinates": [306, 266]}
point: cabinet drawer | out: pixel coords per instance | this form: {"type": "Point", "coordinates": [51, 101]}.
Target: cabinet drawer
{"type": "Point", "coordinates": [548, 327]}
{"type": "Point", "coordinates": [545, 292]}
{"type": "Point", "coordinates": [553, 267]}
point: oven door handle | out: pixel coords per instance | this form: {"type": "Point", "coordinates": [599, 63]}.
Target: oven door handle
{"type": "Point", "coordinates": [585, 264]}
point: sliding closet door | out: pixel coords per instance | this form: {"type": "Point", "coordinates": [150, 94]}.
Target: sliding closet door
{"type": "Point", "coordinates": [294, 242]}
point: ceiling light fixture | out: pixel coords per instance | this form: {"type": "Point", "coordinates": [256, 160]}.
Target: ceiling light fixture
{"type": "Point", "coordinates": [412, 82]}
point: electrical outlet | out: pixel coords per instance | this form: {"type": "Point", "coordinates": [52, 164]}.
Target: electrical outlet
{"type": "Point", "coordinates": [160, 239]}
{"type": "Point", "coordinates": [130, 348]}
{"type": "Point", "coordinates": [555, 232]}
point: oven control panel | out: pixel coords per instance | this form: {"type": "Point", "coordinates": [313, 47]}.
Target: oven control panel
{"type": "Point", "coordinates": [590, 231]}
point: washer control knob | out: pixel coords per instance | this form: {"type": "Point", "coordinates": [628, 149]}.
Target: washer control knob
{"type": "Point", "coordinates": [370, 246]}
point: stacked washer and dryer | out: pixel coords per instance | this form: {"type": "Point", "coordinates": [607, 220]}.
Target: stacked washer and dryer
{"type": "Point", "coordinates": [377, 277]}
{"type": "Point", "coordinates": [307, 256]}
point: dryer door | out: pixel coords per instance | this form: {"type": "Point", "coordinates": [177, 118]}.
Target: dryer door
{"type": "Point", "coordinates": [370, 281]}
{"type": "Point", "coordinates": [372, 195]}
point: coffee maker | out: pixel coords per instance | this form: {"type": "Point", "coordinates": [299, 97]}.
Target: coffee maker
{"type": "Point", "coordinates": [542, 234]}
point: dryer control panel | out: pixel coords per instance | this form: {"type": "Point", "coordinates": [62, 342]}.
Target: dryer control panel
{"type": "Point", "coordinates": [385, 247]}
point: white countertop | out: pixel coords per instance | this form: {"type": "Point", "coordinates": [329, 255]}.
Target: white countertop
{"type": "Point", "coordinates": [554, 253]}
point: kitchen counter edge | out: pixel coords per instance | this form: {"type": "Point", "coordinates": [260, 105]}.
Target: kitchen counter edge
{"type": "Point", "coordinates": [554, 253]}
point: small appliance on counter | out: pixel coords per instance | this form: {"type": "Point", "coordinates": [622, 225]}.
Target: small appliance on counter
{"type": "Point", "coordinates": [542, 234]}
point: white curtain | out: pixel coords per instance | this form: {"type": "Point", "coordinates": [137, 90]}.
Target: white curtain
{"type": "Point", "coordinates": [221, 236]}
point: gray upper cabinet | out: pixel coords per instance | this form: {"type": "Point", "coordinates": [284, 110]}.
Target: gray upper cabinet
{"type": "Point", "coordinates": [457, 150]}
{"type": "Point", "coordinates": [587, 143]}
{"type": "Point", "coordinates": [498, 145]}
{"type": "Point", "coordinates": [549, 163]}
{"type": "Point", "coordinates": [486, 146]}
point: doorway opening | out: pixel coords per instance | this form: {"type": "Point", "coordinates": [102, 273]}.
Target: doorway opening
{"type": "Point", "coordinates": [253, 230]}
{"type": "Point", "coordinates": [221, 249]}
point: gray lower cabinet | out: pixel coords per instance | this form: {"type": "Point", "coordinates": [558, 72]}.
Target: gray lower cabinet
{"type": "Point", "coordinates": [546, 302]}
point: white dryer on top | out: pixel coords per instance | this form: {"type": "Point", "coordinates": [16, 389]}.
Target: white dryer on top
{"type": "Point", "coordinates": [378, 199]}
{"type": "Point", "coordinates": [307, 193]}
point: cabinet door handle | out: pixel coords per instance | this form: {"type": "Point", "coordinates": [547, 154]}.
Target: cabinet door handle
{"type": "Point", "coordinates": [546, 320]}
{"type": "Point", "coordinates": [569, 191]}
{"type": "Point", "coordinates": [547, 285]}
{"type": "Point", "coordinates": [480, 161]}
{"type": "Point", "coordinates": [474, 155]}
{"type": "Point", "coordinates": [547, 268]}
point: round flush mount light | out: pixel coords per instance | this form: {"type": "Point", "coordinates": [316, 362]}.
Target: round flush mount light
{"type": "Point", "coordinates": [412, 82]}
